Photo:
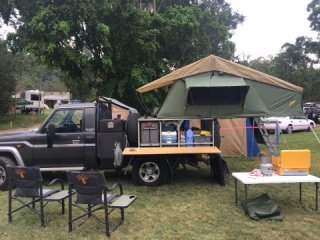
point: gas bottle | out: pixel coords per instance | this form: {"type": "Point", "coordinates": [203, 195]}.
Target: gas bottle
{"type": "Point", "coordinates": [265, 164]}
{"type": "Point", "coordinates": [118, 158]}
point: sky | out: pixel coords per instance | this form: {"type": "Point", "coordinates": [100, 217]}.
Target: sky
{"type": "Point", "coordinates": [269, 24]}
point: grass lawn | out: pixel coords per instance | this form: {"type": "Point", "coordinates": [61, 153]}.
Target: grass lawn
{"type": "Point", "coordinates": [190, 207]}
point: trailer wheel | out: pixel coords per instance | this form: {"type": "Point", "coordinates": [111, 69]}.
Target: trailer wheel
{"type": "Point", "coordinates": [4, 161]}
{"type": "Point", "coordinates": [132, 129]}
{"type": "Point", "coordinates": [149, 172]}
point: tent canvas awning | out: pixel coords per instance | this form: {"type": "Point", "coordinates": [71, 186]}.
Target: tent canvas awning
{"type": "Point", "coordinates": [215, 63]}
{"type": "Point", "coordinates": [215, 87]}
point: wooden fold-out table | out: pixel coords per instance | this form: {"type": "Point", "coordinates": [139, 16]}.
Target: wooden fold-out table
{"type": "Point", "coordinates": [245, 179]}
{"type": "Point", "coordinates": [170, 150]}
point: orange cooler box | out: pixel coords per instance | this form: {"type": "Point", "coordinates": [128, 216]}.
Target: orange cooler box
{"type": "Point", "coordinates": [292, 162]}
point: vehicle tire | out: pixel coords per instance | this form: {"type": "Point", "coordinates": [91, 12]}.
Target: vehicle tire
{"type": "Point", "coordinates": [315, 118]}
{"type": "Point", "coordinates": [150, 172]}
{"type": "Point", "coordinates": [4, 161]}
{"type": "Point", "coordinates": [132, 129]}
{"type": "Point", "coordinates": [289, 129]}
{"type": "Point", "coordinates": [311, 127]}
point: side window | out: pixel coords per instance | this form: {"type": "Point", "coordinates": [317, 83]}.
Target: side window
{"type": "Point", "coordinates": [66, 121]}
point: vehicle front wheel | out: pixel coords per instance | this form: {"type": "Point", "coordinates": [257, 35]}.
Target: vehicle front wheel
{"type": "Point", "coordinates": [289, 129]}
{"type": "Point", "coordinates": [311, 127]}
{"type": "Point", "coordinates": [149, 172]}
{"type": "Point", "coordinates": [4, 161]}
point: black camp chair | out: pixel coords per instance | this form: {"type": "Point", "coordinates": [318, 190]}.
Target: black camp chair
{"type": "Point", "coordinates": [30, 191]}
{"type": "Point", "coordinates": [92, 191]}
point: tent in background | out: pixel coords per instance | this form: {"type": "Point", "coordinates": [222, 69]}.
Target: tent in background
{"type": "Point", "coordinates": [237, 138]}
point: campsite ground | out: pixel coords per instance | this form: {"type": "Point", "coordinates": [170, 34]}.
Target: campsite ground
{"type": "Point", "coordinates": [190, 207]}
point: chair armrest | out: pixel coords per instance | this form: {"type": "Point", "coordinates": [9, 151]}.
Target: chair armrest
{"type": "Point", "coordinates": [55, 181]}
{"type": "Point", "coordinates": [114, 186]}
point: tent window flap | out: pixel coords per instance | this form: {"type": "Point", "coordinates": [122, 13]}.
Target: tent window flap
{"type": "Point", "coordinates": [217, 95]}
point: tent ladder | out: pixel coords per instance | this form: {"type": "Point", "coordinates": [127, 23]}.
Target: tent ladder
{"type": "Point", "coordinates": [266, 137]}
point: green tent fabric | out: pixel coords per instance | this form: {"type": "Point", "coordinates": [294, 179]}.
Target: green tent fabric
{"type": "Point", "coordinates": [212, 94]}
{"type": "Point", "coordinates": [215, 87]}
{"type": "Point", "coordinates": [262, 208]}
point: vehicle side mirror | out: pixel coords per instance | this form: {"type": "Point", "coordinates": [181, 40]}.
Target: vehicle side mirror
{"type": "Point", "coordinates": [51, 133]}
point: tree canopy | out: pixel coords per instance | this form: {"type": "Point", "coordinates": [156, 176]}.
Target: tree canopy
{"type": "Point", "coordinates": [112, 46]}
{"type": "Point", "coordinates": [297, 62]}
{"type": "Point", "coordinates": [7, 79]}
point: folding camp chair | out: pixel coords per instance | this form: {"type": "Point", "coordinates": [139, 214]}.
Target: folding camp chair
{"type": "Point", "coordinates": [92, 194]}
{"type": "Point", "coordinates": [30, 191]}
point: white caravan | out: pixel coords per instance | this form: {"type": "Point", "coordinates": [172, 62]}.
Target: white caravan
{"type": "Point", "coordinates": [34, 96]}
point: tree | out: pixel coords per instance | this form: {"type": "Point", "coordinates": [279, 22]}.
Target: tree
{"type": "Point", "coordinates": [30, 74]}
{"type": "Point", "coordinates": [112, 46]}
{"type": "Point", "coordinates": [294, 65]}
{"type": "Point", "coordinates": [265, 65]}
{"type": "Point", "coordinates": [7, 79]}
{"type": "Point", "coordinates": [314, 17]}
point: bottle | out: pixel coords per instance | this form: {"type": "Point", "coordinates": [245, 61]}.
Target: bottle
{"type": "Point", "coordinates": [189, 138]}
{"type": "Point", "coordinates": [118, 158]}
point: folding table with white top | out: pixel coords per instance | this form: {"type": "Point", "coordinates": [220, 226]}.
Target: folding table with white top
{"type": "Point", "coordinates": [246, 179]}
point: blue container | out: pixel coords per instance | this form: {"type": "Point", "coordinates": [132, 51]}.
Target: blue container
{"type": "Point", "coordinates": [189, 138]}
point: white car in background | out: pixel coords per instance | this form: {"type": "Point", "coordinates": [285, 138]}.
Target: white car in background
{"type": "Point", "coordinates": [288, 124]}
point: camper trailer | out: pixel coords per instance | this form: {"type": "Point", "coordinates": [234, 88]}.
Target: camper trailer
{"type": "Point", "coordinates": [34, 96]}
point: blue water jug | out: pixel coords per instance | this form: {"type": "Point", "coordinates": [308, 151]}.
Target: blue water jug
{"type": "Point", "coordinates": [189, 138]}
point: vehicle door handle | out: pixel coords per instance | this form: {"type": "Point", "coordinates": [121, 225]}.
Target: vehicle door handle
{"type": "Point", "coordinates": [75, 141]}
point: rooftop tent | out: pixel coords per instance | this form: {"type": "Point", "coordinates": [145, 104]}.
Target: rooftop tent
{"type": "Point", "coordinates": [215, 87]}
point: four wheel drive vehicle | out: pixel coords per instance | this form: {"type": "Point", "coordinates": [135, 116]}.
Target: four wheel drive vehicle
{"type": "Point", "coordinates": [312, 111]}
{"type": "Point", "coordinates": [87, 136]}
{"type": "Point", "coordinates": [288, 124]}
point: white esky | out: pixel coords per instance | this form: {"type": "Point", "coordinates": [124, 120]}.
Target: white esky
{"type": "Point", "coordinates": [268, 25]}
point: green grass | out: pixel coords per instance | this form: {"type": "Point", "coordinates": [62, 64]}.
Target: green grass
{"type": "Point", "coordinates": [190, 207]}
{"type": "Point", "coordinates": [19, 120]}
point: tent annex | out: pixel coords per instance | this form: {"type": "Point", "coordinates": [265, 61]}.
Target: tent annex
{"type": "Point", "coordinates": [237, 138]}
{"type": "Point", "coordinates": [214, 87]}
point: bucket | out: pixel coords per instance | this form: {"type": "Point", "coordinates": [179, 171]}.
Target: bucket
{"type": "Point", "coordinates": [265, 164]}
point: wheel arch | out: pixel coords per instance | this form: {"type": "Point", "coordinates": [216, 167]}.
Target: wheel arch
{"type": "Point", "coordinates": [12, 153]}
